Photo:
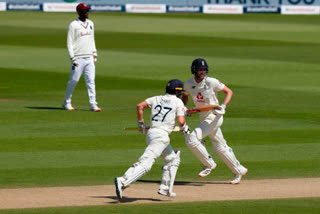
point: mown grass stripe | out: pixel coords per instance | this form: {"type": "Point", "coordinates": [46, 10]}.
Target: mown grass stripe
{"type": "Point", "coordinates": [293, 206]}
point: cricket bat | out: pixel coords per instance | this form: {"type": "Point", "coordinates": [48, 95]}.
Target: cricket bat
{"type": "Point", "coordinates": [203, 109]}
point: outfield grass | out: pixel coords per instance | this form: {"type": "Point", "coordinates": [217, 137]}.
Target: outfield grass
{"type": "Point", "coordinates": [271, 62]}
{"type": "Point", "coordinates": [307, 205]}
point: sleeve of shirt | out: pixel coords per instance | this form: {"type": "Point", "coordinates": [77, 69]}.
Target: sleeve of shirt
{"type": "Point", "coordinates": [70, 39]}
{"type": "Point", "coordinates": [150, 100]}
{"type": "Point", "coordinates": [216, 84]}
{"type": "Point", "coordinates": [94, 42]}
{"type": "Point", "coordinates": [180, 108]}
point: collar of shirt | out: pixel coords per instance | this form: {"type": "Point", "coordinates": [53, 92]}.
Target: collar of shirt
{"type": "Point", "coordinates": [84, 23]}
{"type": "Point", "coordinates": [200, 83]}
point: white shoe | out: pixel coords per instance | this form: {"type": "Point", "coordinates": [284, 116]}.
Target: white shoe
{"type": "Point", "coordinates": [95, 108]}
{"type": "Point", "coordinates": [166, 193]}
{"type": "Point", "coordinates": [119, 187]}
{"type": "Point", "coordinates": [67, 106]}
{"type": "Point", "coordinates": [206, 171]}
{"type": "Point", "coordinates": [238, 177]}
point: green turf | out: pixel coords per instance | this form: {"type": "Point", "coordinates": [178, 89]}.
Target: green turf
{"type": "Point", "coordinates": [308, 205]}
{"type": "Point", "coordinates": [271, 62]}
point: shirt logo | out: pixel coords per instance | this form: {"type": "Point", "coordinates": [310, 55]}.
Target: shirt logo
{"type": "Point", "coordinates": [90, 27]}
{"type": "Point", "coordinates": [199, 96]}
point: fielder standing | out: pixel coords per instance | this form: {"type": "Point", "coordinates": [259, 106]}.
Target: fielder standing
{"type": "Point", "coordinates": [83, 54]}
{"type": "Point", "coordinates": [203, 91]}
{"type": "Point", "coordinates": [164, 112]}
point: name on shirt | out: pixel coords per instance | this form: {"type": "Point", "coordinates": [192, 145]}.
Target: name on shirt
{"type": "Point", "coordinates": [87, 33]}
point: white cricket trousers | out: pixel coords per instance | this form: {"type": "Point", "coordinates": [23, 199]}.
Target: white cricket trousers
{"type": "Point", "coordinates": [158, 145]}
{"type": "Point", "coordinates": [87, 67]}
{"type": "Point", "coordinates": [210, 126]}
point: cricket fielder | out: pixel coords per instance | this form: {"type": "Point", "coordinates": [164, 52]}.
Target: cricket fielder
{"type": "Point", "coordinates": [83, 54]}
{"type": "Point", "coordinates": [165, 110]}
{"type": "Point", "coordinates": [203, 91]}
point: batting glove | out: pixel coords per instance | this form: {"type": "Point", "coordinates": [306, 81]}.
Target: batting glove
{"type": "Point", "coordinates": [221, 111]}
{"type": "Point", "coordinates": [75, 62]}
{"type": "Point", "coordinates": [142, 126]}
{"type": "Point", "coordinates": [185, 130]}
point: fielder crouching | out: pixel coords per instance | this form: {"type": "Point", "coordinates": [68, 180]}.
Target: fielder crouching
{"type": "Point", "coordinates": [165, 110]}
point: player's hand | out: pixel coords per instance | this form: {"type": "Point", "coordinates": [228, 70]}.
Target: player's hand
{"type": "Point", "coordinates": [186, 114]}
{"type": "Point", "coordinates": [185, 130]}
{"type": "Point", "coordinates": [95, 59]}
{"type": "Point", "coordinates": [221, 111]}
{"type": "Point", "coordinates": [75, 62]}
{"type": "Point", "coordinates": [142, 126]}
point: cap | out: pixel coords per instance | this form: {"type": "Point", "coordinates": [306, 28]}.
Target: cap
{"type": "Point", "coordinates": [82, 6]}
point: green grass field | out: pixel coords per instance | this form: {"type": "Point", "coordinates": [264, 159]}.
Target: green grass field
{"type": "Point", "coordinates": [271, 62]}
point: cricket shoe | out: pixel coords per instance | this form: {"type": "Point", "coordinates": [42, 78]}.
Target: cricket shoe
{"type": "Point", "coordinates": [206, 171]}
{"type": "Point", "coordinates": [237, 177]}
{"type": "Point", "coordinates": [119, 187]}
{"type": "Point", "coordinates": [95, 108]}
{"type": "Point", "coordinates": [166, 193]}
{"type": "Point", "coordinates": [68, 106]}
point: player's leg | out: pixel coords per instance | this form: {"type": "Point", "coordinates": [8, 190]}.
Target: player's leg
{"type": "Point", "coordinates": [193, 142]}
{"type": "Point", "coordinates": [157, 142]}
{"type": "Point", "coordinates": [136, 171]}
{"type": "Point", "coordinates": [75, 74]}
{"type": "Point", "coordinates": [169, 171]}
{"type": "Point", "coordinates": [199, 150]}
{"type": "Point", "coordinates": [226, 154]}
{"type": "Point", "coordinates": [89, 75]}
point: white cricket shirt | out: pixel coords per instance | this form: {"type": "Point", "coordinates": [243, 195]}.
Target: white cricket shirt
{"type": "Point", "coordinates": [80, 40]}
{"type": "Point", "coordinates": [205, 92]}
{"type": "Point", "coordinates": [164, 110]}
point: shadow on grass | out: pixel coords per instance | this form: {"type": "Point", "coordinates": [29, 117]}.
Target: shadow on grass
{"type": "Point", "coordinates": [50, 108]}
{"type": "Point", "coordinates": [187, 183]}
{"type": "Point", "coordinates": [44, 108]}
{"type": "Point", "coordinates": [126, 199]}
{"type": "Point", "coordinates": [177, 183]}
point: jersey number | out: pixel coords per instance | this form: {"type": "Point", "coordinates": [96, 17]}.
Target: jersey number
{"type": "Point", "coordinates": [159, 108]}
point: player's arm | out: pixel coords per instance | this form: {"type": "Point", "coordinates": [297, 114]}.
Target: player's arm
{"type": "Point", "coordinates": [95, 54]}
{"type": "Point", "coordinates": [185, 98]}
{"type": "Point", "coordinates": [183, 125]}
{"type": "Point", "coordinates": [140, 107]}
{"type": "Point", "coordinates": [181, 120]}
{"type": "Point", "coordinates": [70, 39]}
{"type": "Point", "coordinates": [228, 95]}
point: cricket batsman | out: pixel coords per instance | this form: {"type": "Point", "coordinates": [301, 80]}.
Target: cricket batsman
{"type": "Point", "coordinates": [165, 110]}
{"type": "Point", "coordinates": [203, 91]}
{"type": "Point", "coordinates": [83, 55]}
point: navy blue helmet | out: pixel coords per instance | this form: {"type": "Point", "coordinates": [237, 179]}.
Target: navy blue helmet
{"type": "Point", "coordinates": [175, 87]}
{"type": "Point", "coordinates": [197, 64]}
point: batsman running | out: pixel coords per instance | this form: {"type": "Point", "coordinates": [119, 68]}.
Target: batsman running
{"type": "Point", "coordinates": [165, 110]}
{"type": "Point", "coordinates": [83, 54]}
{"type": "Point", "coordinates": [203, 91]}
